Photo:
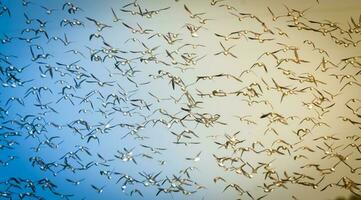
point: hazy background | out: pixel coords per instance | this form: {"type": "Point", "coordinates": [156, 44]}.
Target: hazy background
{"type": "Point", "coordinates": [247, 51]}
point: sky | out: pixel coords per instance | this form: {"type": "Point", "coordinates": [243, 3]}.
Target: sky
{"type": "Point", "coordinates": [145, 82]}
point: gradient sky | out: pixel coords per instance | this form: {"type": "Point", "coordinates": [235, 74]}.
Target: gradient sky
{"type": "Point", "coordinates": [173, 20]}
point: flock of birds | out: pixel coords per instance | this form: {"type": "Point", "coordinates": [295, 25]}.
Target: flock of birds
{"type": "Point", "coordinates": [57, 91]}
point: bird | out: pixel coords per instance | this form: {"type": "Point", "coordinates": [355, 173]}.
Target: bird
{"type": "Point", "coordinates": [196, 158]}
{"type": "Point", "coordinates": [191, 15]}
{"type": "Point", "coordinates": [99, 190]}
{"type": "Point", "coordinates": [115, 17]}
{"type": "Point", "coordinates": [226, 51]}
